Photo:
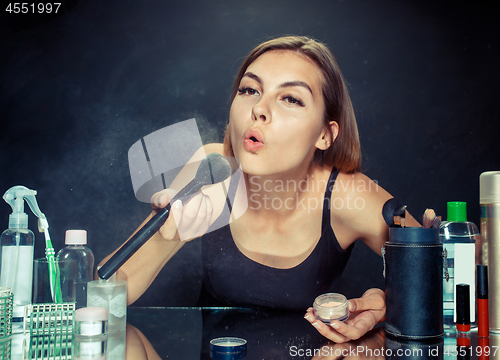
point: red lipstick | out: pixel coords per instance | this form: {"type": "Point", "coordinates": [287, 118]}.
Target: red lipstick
{"type": "Point", "coordinates": [253, 140]}
{"type": "Point", "coordinates": [482, 301]}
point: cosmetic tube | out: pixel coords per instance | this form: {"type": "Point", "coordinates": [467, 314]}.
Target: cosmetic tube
{"type": "Point", "coordinates": [482, 301]}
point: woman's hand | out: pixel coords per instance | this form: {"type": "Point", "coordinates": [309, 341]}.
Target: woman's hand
{"type": "Point", "coordinates": [365, 313]}
{"type": "Point", "coordinates": [186, 221]}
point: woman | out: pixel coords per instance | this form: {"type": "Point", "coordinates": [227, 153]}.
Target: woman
{"type": "Point", "coordinates": [293, 130]}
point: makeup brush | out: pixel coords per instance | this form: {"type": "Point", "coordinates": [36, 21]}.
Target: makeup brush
{"type": "Point", "coordinates": [394, 213]}
{"type": "Point", "coordinates": [430, 220]}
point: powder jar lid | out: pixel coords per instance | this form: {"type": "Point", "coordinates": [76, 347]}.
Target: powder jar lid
{"type": "Point", "coordinates": [91, 313]}
{"type": "Point", "coordinates": [91, 321]}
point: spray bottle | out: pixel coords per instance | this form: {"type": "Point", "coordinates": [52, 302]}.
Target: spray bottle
{"type": "Point", "coordinates": [17, 248]}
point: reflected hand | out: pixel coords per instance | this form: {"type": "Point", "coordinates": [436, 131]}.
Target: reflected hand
{"type": "Point", "coordinates": [369, 346]}
{"type": "Point", "coordinates": [186, 221]}
{"type": "Point", "coordinates": [365, 313]}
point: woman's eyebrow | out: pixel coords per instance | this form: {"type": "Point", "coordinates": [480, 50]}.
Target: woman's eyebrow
{"type": "Point", "coordinates": [296, 83]}
{"type": "Point", "coordinates": [251, 75]}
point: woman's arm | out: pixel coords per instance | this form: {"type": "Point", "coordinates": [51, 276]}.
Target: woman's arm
{"type": "Point", "coordinates": [142, 268]}
{"type": "Point", "coordinates": [186, 221]}
{"type": "Point", "coordinates": [362, 219]}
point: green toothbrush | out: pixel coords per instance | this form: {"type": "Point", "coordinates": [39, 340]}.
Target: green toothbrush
{"type": "Point", "coordinates": [55, 285]}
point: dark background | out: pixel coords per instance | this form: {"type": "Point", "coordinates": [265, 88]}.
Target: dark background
{"type": "Point", "coordinates": [78, 90]}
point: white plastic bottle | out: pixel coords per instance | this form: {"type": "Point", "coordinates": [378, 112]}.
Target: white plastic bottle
{"type": "Point", "coordinates": [84, 259]}
{"type": "Point", "coordinates": [458, 237]}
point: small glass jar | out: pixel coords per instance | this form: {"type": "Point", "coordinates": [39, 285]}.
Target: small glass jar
{"type": "Point", "coordinates": [228, 348]}
{"type": "Point", "coordinates": [112, 295]}
{"type": "Point", "coordinates": [331, 306]}
{"type": "Point", "coordinates": [91, 321]}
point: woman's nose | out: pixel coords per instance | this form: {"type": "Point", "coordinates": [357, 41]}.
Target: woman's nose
{"type": "Point", "coordinates": [260, 111]}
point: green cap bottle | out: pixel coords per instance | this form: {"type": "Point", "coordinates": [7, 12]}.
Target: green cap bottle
{"type": "Point", "coordinates": [456, 211]}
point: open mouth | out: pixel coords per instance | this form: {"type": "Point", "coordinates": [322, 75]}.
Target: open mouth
{"type": "Point", "coordinates": [253, 140]}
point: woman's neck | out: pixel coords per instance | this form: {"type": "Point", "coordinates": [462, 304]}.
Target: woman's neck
{"type": "Point", "coordinates": [281, 194]}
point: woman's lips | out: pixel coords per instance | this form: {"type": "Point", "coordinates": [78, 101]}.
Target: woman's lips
{"type": "Point", "coordinates": [252, 140]}
{"type": "Point", "coordinates": [251, 145]}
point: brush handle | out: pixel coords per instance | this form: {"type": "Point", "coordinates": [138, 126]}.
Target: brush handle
{"type": "Point", "coordinates": [135, 242]}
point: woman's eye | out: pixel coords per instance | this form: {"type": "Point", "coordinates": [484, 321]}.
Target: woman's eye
{"type": "Point", "coordinates": [247, 91]}
{"type": "Point", "coordinates": [292, 100]}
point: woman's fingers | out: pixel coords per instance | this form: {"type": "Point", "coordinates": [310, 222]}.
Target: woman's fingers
{"type": "Point", "coordinates": [352, 331]}
{"type": "Point", "coordinates": [168, 230]}
{"type": "Point", "coordinates": [196, 217]}
{"type": "Point", "coordinates": [190, 220]}
{"type": "Point", "coordinates": [324, 329]}
{"type": "Point", "coordinates": [160, 199]}
{"type": "Point", "coordinates": [372, 299]}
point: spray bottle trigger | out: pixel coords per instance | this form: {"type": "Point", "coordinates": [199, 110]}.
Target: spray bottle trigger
{"type": "Point", "coordinates": [31, 200]}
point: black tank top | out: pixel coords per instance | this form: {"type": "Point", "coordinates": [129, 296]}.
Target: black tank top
{"type": "Point", "coordinates": [232, 279]}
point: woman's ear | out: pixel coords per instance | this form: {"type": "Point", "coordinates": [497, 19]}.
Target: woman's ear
{"type": "Point", "coordinates": [328, 136]}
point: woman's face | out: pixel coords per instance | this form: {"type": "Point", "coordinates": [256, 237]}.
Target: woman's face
{"type": "Point", "coordinates": [276, 118]}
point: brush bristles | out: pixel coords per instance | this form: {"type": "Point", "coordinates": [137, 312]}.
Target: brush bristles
{"type": "Point", "coordinates": [430, 220]}
{"type": "Point", "coordinates": [213, 169]}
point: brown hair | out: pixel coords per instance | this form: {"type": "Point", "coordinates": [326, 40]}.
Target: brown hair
{"type": "Point", "coordinates": [345, 152]}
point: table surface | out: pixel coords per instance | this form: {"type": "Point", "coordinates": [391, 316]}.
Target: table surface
{"type": "Point", "coordinates": [185, 333]}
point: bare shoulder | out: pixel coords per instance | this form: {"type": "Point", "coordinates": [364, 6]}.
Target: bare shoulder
{"type": "Point", "coordinates": [362, 192]}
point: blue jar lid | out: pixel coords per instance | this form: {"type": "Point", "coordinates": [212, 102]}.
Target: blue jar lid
{"type": "Point", "coordinates": [225, 346]}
